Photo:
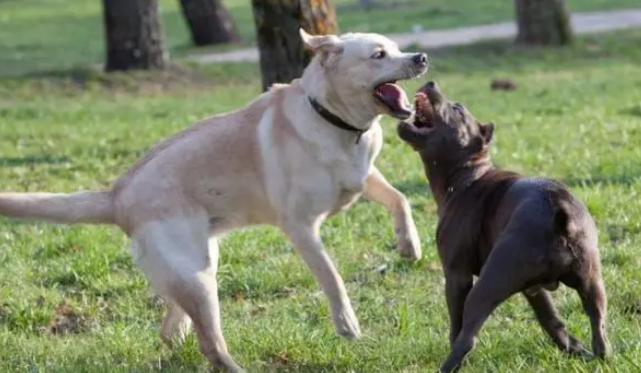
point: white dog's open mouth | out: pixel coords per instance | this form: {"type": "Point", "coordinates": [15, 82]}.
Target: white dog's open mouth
{"type": "Point", "coordinates": [394, 99]}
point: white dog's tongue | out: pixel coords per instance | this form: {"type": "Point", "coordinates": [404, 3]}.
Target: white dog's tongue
{"type": "Point", "coordinates": [394, 97]}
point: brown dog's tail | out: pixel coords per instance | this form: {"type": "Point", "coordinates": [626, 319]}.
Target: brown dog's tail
{"type": "Point", "coordinates": [81, 207]}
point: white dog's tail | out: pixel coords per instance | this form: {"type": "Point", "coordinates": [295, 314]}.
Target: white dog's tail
{"type": "Point", "coordinates": [81, 207]}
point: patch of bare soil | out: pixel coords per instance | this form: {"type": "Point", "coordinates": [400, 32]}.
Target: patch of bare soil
{"type": "Point", "coordinates": [68, 321]}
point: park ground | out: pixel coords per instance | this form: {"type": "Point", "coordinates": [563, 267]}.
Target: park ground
{"type": "Point", "coordinates": [71, 300]}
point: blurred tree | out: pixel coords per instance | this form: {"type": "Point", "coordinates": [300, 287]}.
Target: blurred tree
{"type": "Point", "coordinates": [543, 22]}
{"type": "Point", "coordinates": [282, 57]}
{"type": "Point", "coordinates": [209, 22]}
{"type": "Point", "coordinates": [133, 35]}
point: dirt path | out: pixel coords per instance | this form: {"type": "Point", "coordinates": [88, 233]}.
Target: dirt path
{"type": "Point", "coordinates": [583, 23]}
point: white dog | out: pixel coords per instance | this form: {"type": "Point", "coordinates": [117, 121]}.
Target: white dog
{"type": "Point", "coordinates": [294, 156]}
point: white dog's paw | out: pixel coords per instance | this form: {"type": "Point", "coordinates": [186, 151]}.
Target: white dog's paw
{"type": "Point", "coordinates": [346, 324]}
{"type": "Point", "coordinates": [175, 328]}
{"type": "Point", "coordinates": [409, 245]}
{"type": "Point", "coordinates": [223, 362]}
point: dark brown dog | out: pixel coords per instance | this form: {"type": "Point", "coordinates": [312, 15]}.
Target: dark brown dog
{"type": "Point", "coordinates": [516, 234]}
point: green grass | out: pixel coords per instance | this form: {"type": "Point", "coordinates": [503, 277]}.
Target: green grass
{"type": "Point", "coordinates": [575, 116]}
{"type": "Point", "coordinates": [44, 35]}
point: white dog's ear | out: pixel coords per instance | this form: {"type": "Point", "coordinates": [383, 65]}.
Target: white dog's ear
{"type": "Point", "coordinates": [328, 47]}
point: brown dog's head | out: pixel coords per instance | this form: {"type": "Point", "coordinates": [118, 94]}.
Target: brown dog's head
{"type": "Point", "coordinates": [443, 130]}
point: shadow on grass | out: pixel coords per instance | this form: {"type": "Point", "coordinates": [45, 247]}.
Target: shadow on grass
{"type": "Point", "coordinates": [138, 81]}
{"type": "Point", "coordinates": [31, 160]}
{"type": "Point", "coordinates": [627, 179]}
{"type": "Point", "coordinates": [187, 358]}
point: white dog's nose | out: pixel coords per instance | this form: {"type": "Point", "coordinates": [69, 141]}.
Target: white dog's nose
{"type": "Point", "coordinates": [420, 59]}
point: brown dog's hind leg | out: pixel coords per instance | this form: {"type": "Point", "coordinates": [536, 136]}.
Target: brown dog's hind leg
{"type": "Point", "coordinates": [551, 323]}
{"type": "Point", "coordinates": [592, 292]}
{"type": "Point", "coordinates": [595, 305]}
{"type": "Point", "coordinates": [587, 281]}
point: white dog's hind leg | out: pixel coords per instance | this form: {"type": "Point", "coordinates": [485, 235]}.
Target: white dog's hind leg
{"type": "Point", "coordinates": [174, 256]}
{"type": "Point", "coordinates": [308, 245]}
{"type": "Point", "coordinates": [175, 325]}
{"type": "Point", "coordinates": [379, 190]}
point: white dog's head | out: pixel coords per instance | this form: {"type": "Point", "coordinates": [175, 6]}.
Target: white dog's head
{"type": "Point", "coordinates": [356, 74]}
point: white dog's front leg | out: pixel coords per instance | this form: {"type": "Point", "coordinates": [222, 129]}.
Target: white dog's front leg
{"type": "Point", "coordinates": [307, 243]}
{"type": "Point", "coordinates": [379, 190]}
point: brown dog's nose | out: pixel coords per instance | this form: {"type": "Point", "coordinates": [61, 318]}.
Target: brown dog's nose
{"type": "Point", "coordinates": [431, 86]}
{"type": "Point", "coordinates": [420, 59]}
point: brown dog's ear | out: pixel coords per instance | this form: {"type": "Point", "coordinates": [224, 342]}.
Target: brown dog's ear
{"type": "Point", "coordinates": [327, 47]}
{"type": "Point", "coordinates": [487, 131]}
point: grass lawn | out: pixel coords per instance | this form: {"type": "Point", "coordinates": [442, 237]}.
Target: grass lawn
{"type": "Point", "coordinates": [576, 116]}
{"type": "Point", "coordinates": [44, 35]}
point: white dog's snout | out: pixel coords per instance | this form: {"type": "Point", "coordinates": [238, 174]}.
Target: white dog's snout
{"type": "Point", "coordinates": [416, 64]}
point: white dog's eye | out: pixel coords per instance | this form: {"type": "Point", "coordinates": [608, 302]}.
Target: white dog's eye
{"type": "Point", "coordinates": [379, 55]}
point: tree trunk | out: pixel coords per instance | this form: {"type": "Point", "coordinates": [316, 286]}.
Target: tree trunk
{"type": "Point", "coordinates": [133, 35]}
{"type": "Point", "coordinates": [543, 22]}
{"type": "Point", "coordinates": [282, 57]}
{"type": "Point", "coordinates": [209, 22]}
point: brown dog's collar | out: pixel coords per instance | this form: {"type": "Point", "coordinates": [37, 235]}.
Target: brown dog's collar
{"type": "Point", "coordinates": [335, 120]}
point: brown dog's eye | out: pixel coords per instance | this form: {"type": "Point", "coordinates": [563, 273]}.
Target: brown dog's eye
{"type": "Point", "coordinates": [379, 55]}
{"type": "Point", "coordinates": [459, 109]}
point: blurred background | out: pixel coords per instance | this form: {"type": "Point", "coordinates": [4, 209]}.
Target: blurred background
{"type": "Point", "coordinates": [55, 35]}
{"type": "Point", "coordinates": [87, 86]}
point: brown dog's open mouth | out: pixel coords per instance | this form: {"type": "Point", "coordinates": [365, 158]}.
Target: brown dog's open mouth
{"type": "Point", "coordinates": [394, 99]}
{"type": "Point", "coordinates": [424, 111]}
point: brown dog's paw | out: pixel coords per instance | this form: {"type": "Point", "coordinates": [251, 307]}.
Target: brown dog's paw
{"type": "Point", "coordinates": [576, 348]}
{"type": "Point", "coordinates": [602, 349]}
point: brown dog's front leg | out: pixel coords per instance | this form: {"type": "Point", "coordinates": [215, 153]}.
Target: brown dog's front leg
{"type": "Point", "coordinates": [379, 190]}
{"type": "Point", "coordinates": [457, 287]}
{"type": "Point", "coordinates": [501, 276]}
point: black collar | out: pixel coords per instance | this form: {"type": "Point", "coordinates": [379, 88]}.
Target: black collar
{"type": "Point", "coordinates": [335, 120]}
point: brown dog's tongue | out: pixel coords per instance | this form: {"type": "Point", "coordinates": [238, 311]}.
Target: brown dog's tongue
{"type": "Point", "coordinates": [394, 97]}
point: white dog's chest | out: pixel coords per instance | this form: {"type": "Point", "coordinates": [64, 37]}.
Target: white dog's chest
{"type": "Point", "coordinates": [350, 185]}
{"type": "Point", "coordinates": [345, 199]}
